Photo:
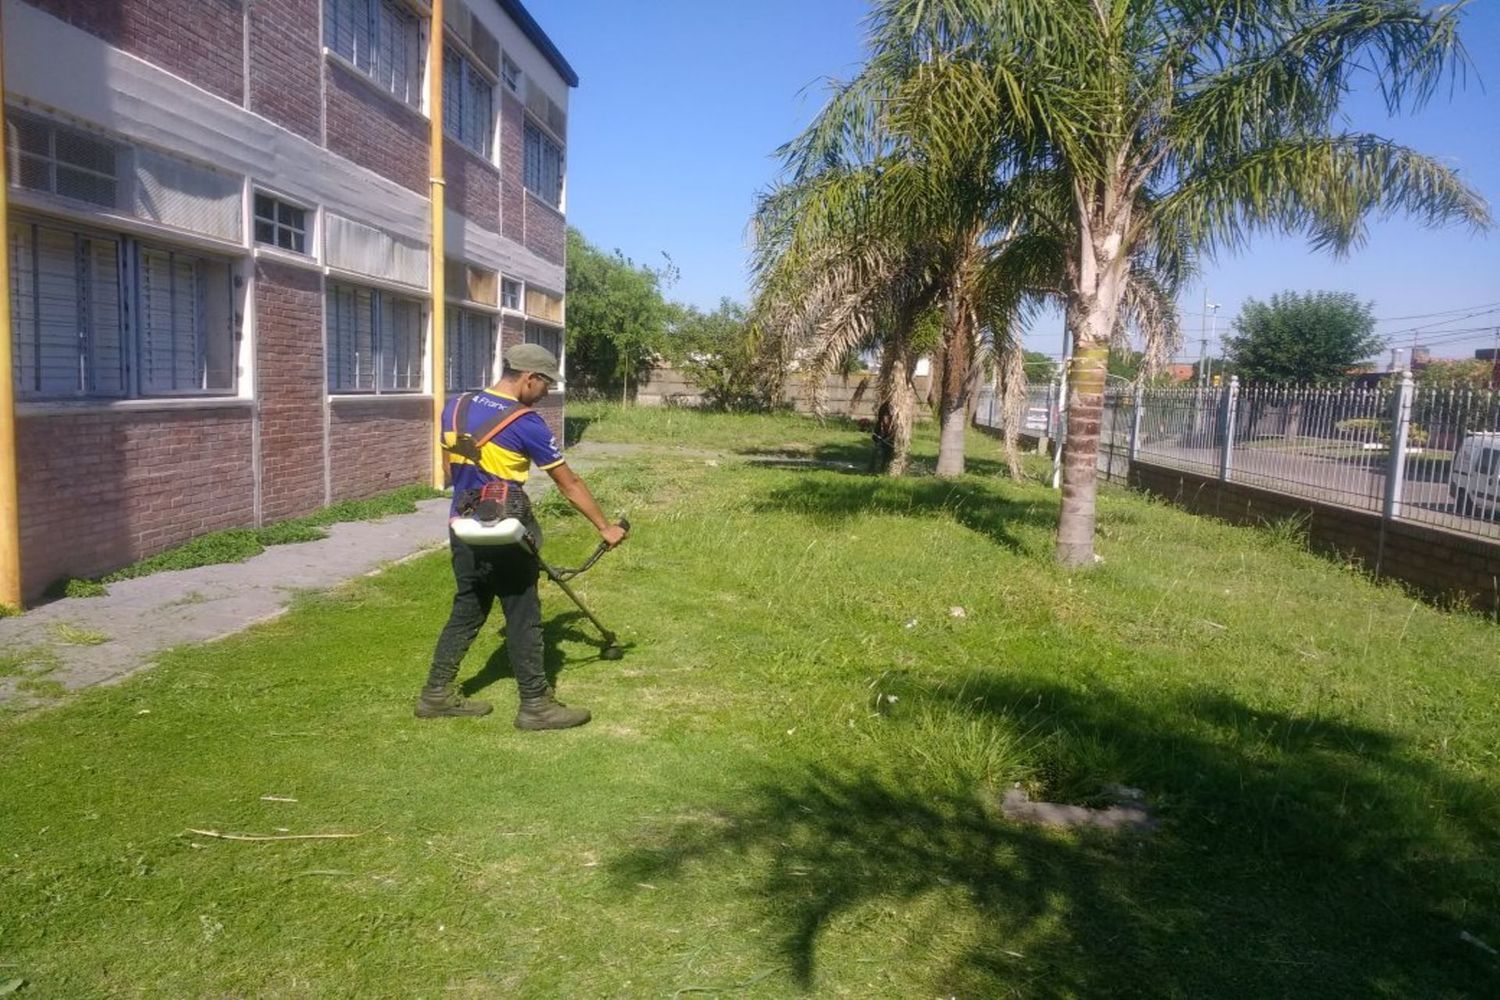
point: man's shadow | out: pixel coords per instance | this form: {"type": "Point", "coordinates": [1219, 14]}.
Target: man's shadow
{"type": "Point", "coordinates": [554, 632]}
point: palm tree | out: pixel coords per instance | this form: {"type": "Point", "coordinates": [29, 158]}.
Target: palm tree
{"type": "Point", "coordinates": [909, 176]}
{"type": "Point", "coordinates": [1179, 127]}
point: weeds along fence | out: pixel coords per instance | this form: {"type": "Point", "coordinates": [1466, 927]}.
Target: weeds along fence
{"type": "Point", "coordinates": [1427, 456]}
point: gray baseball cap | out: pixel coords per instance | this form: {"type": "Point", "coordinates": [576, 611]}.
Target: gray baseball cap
{"type": "Point", "coordinates": [533, 358]}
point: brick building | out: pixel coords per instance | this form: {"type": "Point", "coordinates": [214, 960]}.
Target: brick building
{"type": "Point", "coordinates": [219, 253]}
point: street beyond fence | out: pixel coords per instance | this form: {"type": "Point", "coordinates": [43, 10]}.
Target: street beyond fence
{"type": "Point", "coordinates": [1429, 456]}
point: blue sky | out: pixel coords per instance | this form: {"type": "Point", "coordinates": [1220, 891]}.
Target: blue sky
{"type": "Point", "coordinates": [682, 104]}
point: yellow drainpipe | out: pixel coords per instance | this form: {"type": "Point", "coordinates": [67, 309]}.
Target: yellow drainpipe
{"type": "Point", "coordinates": [10, 506]}
{"type": "Point", "coordinates": [435, 169]}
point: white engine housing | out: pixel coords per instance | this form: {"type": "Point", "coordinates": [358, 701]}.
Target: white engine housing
{"type": "Point", "coordinates": [506, 531]}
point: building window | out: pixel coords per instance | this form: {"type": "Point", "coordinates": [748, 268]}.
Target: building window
{"type": "Point", "coordinates": [510, 294]}
{"type": "Point", "coordinates": [510, 73]}
{"type": "Point", "coordinates": [281, 225]}
{"type": "Point", "coordinates": [544, 166]}
{"type": "Point", "coordinates": [468, 102]}
{"type": "Point", "coordinates": [469, 348]}
{"type": "Point", "coordinates": [375, 340]}
{"type": "Point", "coordinates": [382, 38]}
{"type": "Point", "coordinates": [548, 337]}
{"type": "Point", "coordinates": [55, 159]}
{"type": "Point", "coordinates": [183, 321]}
{"type": "Point", "coordinates": [69, 310]}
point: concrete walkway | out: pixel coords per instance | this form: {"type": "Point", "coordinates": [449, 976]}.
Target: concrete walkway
{"type": "Point", "coordinates": [78, 642]}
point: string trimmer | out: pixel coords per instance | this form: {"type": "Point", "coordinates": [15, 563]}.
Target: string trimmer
{"type": "Point", "coordinates": [476, 530]}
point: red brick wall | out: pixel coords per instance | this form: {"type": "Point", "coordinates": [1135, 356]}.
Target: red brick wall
{"type": "Point", "coordinates": [285, 61]}
{"type": "Point", "coordinates": [512, 167]}
{"type": "Point", "coordinates": [152, 479]}
{"type": "Point", "coordinates": [473, 188]}
{"type": "Point", "coordinates": [289, 384]}
{"type": "Point", "coordinates": [544, 230]}
{"type": "Point", "coordinates": [378, 445]}
{"type": "Point", "coordinates": [512, 331]}
{"type": "Point", "coordinates": [551, 409]}
{"type": "Point", "coordinates": [375, 130]}
{"type": "Point", "coordinates": [1432, 561]}
{"type": "Point", "coordinates": [201, 41]}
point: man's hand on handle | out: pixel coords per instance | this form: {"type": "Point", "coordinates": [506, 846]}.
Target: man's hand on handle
{"type": "Point", "coordinates": [614, 534]}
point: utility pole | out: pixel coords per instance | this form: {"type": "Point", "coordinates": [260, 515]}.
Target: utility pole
{"type": "Point", "coordinates": [1209, 309]}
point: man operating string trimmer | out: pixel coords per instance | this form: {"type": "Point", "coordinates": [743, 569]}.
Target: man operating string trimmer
{"type": "Point", "coordinates": [492, 439]}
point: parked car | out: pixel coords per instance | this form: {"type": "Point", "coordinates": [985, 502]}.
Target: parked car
{"type": "Point", "coordinates": [1474, 482]}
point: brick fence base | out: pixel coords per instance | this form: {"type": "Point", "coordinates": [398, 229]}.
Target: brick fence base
{"type": "Point", "coordinates": [1440, 564]}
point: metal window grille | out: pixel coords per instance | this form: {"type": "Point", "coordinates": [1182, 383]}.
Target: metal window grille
{"type": "Point", "coordinates": [181, 347]}
{"type": "Point", "coordinates": [510, 73]}
{"type": "Point", "coordinates": [510, 294]}
{"type": "Point", "coordinates": [54, 159]}
{"type": "Point", "coordinates": [382, 38]}
{"type": "Point", "coordinates": [547, 336]}
{"type": "Point", "coordinates": [66, 315]}
{"type": "Point", "coordinates": [544, 166]}
{"type": "Point", "coordinates": [186, 196]}
{"type": "Point", "coordinates": [468, 103]}
{"type": "Point", "coordinates": [375, 341]}
{"type": "Point", "coordinates": [279, 224]}
{"type": "Point", "coordinates": [470, 349]}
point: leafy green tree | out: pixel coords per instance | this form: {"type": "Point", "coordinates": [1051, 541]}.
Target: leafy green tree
{"type": "Point", "coordinates": [718, 351]}
{"type": "Point", "coordinates": [1316, 337]}
{"type": "Point", "coordinates": [1040, 368]}
{"type": "Point", "coordinates": [617, 317]}
{"type": "Point", "coordinates": [1176, 128]}
{"type": "Point", "coordinates": [1460, 374]}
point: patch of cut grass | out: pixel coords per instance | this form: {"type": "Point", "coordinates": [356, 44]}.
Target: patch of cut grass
{"type": "Point", "coordinates": [790, 787]}
{"type": "Point", "coordinates": [30, 661]}
{"type": "Point", "coordinates": [74, 635]}
{"type": "Point", "coordinates": [41, 687]}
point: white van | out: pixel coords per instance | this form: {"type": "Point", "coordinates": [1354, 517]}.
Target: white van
{"type": "Point", "coordinates": [1474, 482]}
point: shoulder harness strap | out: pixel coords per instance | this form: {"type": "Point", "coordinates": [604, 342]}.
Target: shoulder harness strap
{"type": "Point", "coordinates": [470, 446]}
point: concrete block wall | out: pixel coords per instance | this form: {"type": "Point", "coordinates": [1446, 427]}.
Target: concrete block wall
{"type": "Point", "coordinates": [850, 396]}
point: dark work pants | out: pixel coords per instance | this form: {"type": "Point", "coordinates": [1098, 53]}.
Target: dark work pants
{"type": "Point", "coordinates": [481, 574]}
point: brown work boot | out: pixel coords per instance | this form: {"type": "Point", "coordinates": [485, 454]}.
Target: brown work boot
{"type": "Point", "coordinates": [443, 702]}
{"type": "Point", "coordinates": [546, 712]}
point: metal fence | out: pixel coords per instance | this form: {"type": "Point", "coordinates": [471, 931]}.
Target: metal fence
{"type": "Point", "coordinates": [1417, 454]}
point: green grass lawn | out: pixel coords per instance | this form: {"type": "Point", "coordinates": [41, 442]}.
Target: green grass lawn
{"type": "Point", "coordinates": [790, 785]}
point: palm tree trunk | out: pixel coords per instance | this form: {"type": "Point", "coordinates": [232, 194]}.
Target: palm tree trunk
{"type": "Point", "coordinates": [1010, 388]}
{"type": "Point", "coordinates": [903, 410]}
{"type": "Point", "coordinates": [953, 406]}
{"type": "Point", "coordinates": [1075, 526]}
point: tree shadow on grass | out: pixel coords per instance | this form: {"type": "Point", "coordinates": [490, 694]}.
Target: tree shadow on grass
{"type": "Point", "coordinates": [1297, 856]}
{"type": "Point", "coordinates": [972, 503]}
{"type": "Point", "coordinates": [574, 428]}
{"type": "Point", "coordinates": [555, 631]}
